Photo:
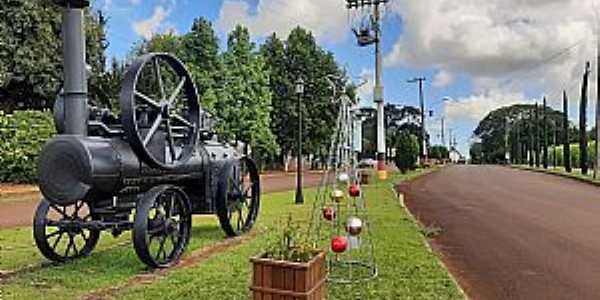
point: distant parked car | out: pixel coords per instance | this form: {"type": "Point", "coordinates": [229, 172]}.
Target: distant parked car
{"type": "Point", "coordinates": [367, 163]}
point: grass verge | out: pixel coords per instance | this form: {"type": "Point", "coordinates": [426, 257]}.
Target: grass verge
{"type": "Point", "coordinates": [575, 174]}
{"type": "Point", "coordinates": [407, 270]}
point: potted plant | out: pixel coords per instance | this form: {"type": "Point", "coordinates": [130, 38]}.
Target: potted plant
{"type": "Point", "coordinates": [290, 267]}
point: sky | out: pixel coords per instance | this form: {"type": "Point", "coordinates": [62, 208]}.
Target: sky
{"type": "Point", "coordinates": [479, 54]}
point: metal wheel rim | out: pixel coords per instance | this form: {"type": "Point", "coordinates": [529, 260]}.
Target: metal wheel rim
{"type": "Point", "coordinates": [242, 197]}
{"type": "Point", "coordinates": [60, 232]}
{"type": "Point", "coordinates": [162, 229]}
{"type": "Point", "coordinates": [141, 108]}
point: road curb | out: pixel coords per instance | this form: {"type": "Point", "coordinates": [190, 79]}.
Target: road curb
{"type": "Point", "coordinates": [401, 201]}
{"type": "Point", "coordinates": [550, 172]}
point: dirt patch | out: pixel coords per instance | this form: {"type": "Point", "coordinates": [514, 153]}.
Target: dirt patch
{"type": "Point", "coordinates": [191, 260]}
{"type": "Point", "coordinates": [19, 202]}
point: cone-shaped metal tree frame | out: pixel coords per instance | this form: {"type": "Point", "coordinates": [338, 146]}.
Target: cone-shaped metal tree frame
{"type": "Point", "coordinates": [339, 220]}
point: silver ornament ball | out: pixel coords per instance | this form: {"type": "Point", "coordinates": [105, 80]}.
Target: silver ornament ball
{"type": "Point", "coordinates": [354, 226]}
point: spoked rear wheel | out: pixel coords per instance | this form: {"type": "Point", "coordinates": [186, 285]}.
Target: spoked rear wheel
{"type": "Point", "coordinates": [238, 197]}
{"type": "Point", "coordinates": [162, 226]}
{"type": "Point", "coordinates": [60, 232]}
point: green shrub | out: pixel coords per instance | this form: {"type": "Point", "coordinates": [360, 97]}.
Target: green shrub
{"type": "Point", "coordinates": [407, 151]}
{"type": "Point", "coordinates": [574, 155]}
{"type": "Point", "coordinates": [439, 152]}
{"type": "Point", "coordinates": [22, 135]}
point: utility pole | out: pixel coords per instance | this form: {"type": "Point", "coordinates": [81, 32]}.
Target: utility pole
{"type": "Point", "coordinates": [597, 164]}
{"type": "Point", "coordinates": [443, 139]}
{"type": "Point", "coordinates": [566, 137]}
{"type": "Point", "coordinates": [378, 90]}
{"type": "Point", "coordinates": [423, 141]}
{"type": "Point", "coordinates": [554, 159]}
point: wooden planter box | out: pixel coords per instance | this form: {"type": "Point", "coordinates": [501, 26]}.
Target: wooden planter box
{"type": "Point", "coordinates": [275, 280]}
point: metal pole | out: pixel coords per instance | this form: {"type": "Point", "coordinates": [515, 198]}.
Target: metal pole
{"type": "Point", "coordinates": [443, 139]}
{"type": "Point", "coordinates": [422, 101]}
{"type": "Point", "coordinates": [518, 142]}
{"type": "Point", "coordinates": [75, 77]}
{"type": "Point", "coordinates": [378, 97]}
{"type": "Point", "coordinates": [299, 196]}
{"type": "Point", "coordinates": [554, 160]}
{"type": "Point", "coordinates": [506, 154]}
{"type": "Point", "coordinates": [597, 146]}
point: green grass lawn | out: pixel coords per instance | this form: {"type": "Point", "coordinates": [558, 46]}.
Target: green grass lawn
{"type": "Point", "coordinates": [407, 270]}
{"type": "Point", "coordinates": [575, 173]}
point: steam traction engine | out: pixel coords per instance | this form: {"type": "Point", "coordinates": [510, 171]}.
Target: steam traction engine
{"type": "Point", "coordinates": [147, 168]}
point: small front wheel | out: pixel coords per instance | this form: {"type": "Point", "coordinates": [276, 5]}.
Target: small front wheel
{"type": "Point", "coordinates": [162, 226]}
{"type": "Point", "coordinates": [62, 233]}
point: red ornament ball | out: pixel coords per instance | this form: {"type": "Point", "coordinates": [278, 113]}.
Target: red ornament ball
{"type": "Point", "coordinates": [328, 213]}
{"type": "Point", "coordinates": [354, 190]}
{"type": "Point", "coordinates": [339, 244]}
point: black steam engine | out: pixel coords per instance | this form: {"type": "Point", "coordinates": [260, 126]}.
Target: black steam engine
{"type": "Point", "coordinates": [148, 166]}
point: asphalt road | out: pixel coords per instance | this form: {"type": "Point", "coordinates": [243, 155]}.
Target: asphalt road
{"type": "Point", "coordinates": [510, 234]}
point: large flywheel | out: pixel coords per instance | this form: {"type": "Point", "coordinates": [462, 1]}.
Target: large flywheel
{"type": "Point", "coordinates": [160, 111]}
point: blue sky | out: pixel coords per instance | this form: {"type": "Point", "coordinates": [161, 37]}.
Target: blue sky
{"type": "Point", "coordinates": [482, 53]}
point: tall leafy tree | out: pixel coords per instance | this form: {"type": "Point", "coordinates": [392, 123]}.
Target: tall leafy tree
{"type": "Point", "coordinates": [583, 136]}
{"type": "Point", "coordinates": [199, 49]}
{"type": "Point", "coordinates": [537, 136]}
{"type": "Point", "coordinates": [304, 58]}
{"type": "Point", "coordinates": [273, 52]}
{"type": "Point", "coordinates": [491, 130]}
{"type": "Point", "coordinates": [300, 57]}
{"type": "Point", "coordinates": [31, 52]}
{"type": "Point", "coordinates": [245, 112]}
{"type": "Point", "coordinates": [566, 139]}
{"type": "Point", "coordinates": [545, 135]}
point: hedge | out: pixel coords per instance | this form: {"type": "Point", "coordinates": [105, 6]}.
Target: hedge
{"type": "Point", "coordinates": [574, 155]}
{"type": "Point", "coordinates": [22, 135]}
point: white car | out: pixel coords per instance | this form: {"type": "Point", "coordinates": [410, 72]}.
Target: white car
{"type": "Point", "coordinates": [367, 163]}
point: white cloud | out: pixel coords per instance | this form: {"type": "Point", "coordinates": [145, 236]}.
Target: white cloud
{"type": "Point", "coordinates": [476, 107]}
{"type": "Point", "coordinates": [326, 19]}
{"type": "Point", "coordinates": [147, 27]}
{"type": "Point", "coordinates": [135, 2]}
{"type": "Point", "coordinates": [509, 49]}
{"type": "Point", "coordinates": [442, 79]}
{"type": "Point", "coordinates": [365, 91]}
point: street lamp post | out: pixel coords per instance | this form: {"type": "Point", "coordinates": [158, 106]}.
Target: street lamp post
{"type": "Point", "coordinates": [299, 94]}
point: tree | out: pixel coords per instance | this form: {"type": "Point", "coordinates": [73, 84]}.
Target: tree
{"type": "Point", "coordinates": [273, 52]}
{"type": "Point", "coordinates": [583, 136]}
{"type": "Point", "coordinates": [407, 151]}
{"type": "Point", "coordinates": [31, 53]}
{"type": "Point", "coordinates": [566, 139]}
{"type": "Point", "coordinates": [401, 119]}
{"type": "Point", "coordinates": [545, 135]}
{"type": "Point", "coordinates": [200, 51]}
{"type": "Point", "coordinates": [476, 153]}
{"type": "Point", "coordinates": [244, 114]}
{"type": "Point", "coordinates": [300, 56]}
{"type": "Point", "coordinates": [536, 139]}
{"type": "Point", "coordinates": [491, 130]}
{"type": "Point", "coordinates": [439, 152]}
